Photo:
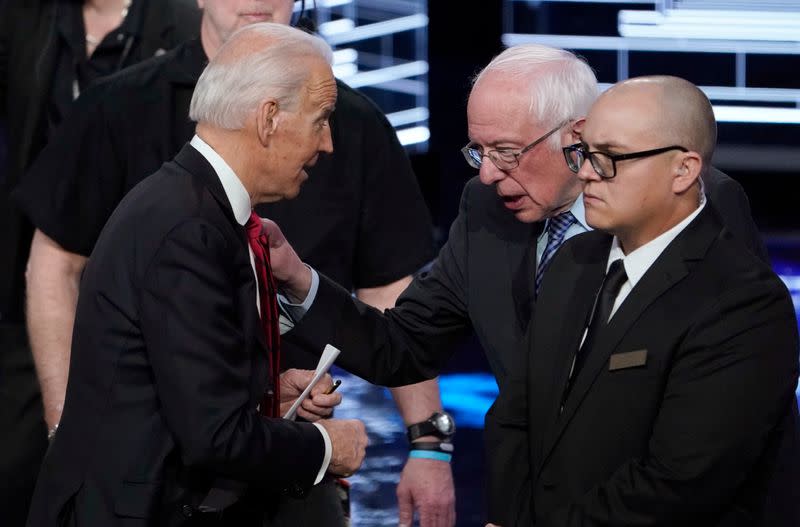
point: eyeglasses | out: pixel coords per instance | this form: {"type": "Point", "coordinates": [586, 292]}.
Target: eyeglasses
{"type": "Point", "coordinates": [503, 158]}
{"type": "Point", "coordinates": [603, 163]}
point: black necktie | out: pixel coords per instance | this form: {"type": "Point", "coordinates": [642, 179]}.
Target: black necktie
{"type": "Point", "coordinates": [613, 280]}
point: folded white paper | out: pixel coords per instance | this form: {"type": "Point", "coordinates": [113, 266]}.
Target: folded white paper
{"type": "Point", "coordinates": [329, 355]}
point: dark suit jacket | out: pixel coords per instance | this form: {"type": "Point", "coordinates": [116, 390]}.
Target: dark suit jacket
{"type": "Point", "coordinates": [168, 364]}
{"type": "Point", "coordinates": [690, 436]}
{"type": "Point", "coordinates": [482, 281]}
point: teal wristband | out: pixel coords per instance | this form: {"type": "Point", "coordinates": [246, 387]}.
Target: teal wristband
{"type": "Point", "coordinates": [428, 454]}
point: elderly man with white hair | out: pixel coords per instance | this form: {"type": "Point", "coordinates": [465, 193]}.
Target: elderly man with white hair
{"type": "Point", "coordinates": [527, 104]}
{"type": "Point", "coordinates": [172, 414]}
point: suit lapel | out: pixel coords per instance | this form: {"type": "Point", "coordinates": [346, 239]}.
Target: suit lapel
{"type": "Point", "coordinates": [671, 267]}
{"type": "Point", "coordinates": [552, 356]}
{"type": "Point", "coordinates": [197, 165]}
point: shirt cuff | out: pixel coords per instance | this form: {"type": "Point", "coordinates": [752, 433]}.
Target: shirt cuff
{"type": "Point", "coordinates": [328, 451]}
{"type": "Point", "coordinates": [291, 313]}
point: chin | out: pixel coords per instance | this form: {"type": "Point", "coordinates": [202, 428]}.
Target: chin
{"type": "Point", "coordinates": [529, 215]}
{"type": "Point", "coordinates": [596, 221]}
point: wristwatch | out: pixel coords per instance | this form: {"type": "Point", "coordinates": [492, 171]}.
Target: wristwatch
{"type": "Point", "coordinates": [440, 424]}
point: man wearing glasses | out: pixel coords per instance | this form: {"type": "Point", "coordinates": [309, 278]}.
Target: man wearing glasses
{"type": "Point", "coordinates": [525, 106]}
{"type": "Point", "coordinates": [660, 381]}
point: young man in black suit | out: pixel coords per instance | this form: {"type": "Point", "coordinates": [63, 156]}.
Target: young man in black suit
{"type": "Point", "coordinates": [175, 349]}
{"type": "Point", "coordinates": [660, 383]}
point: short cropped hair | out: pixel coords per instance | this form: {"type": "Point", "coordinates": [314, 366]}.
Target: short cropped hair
{"type": "Point", "coordinates": [239, 77]}
{"type": "Point", "coordinates": [561, 86]}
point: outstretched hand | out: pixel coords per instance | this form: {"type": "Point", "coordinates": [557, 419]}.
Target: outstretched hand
{"type": "Point", "coordinates": [291, 274]}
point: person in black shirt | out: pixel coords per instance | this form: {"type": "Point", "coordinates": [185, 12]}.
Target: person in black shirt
{"type": "Point", "coordinates": [50, 50]}
{"type": "Point", "coordinates": [360, 217]}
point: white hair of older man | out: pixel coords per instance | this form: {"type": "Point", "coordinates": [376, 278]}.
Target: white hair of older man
{"type": "Point", "coordinates": [561, 86]}
{"type": "Point", "coordinates": [231, 88]}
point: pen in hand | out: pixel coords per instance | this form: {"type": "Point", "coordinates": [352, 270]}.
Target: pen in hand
{"type": "Point", "coordinates": [336, 384]}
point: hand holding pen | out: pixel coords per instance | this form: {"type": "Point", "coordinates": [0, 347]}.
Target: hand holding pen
{"type": "Point", "coordinates": [321, 401]}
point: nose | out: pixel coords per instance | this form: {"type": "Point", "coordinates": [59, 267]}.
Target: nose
{"type": "Point", "coordinates": [587, 173]}
{"type": "Point", "coordinates": [489, 173]}
{"type": "Point", "coordinates": [326, 143]}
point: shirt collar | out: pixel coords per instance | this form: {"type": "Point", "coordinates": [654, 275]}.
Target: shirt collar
{"type": "Point", "coordinates": [578, 211]}
{"type": "Point", "coordinates": [234, 190]}
{"type": "Point", "coordinates": [639, 261]}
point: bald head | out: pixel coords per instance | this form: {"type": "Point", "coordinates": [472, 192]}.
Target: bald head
{"type": "Point", "coordinates": [679, 112]}
{"type": "Point", "coordinates": [260, 61]}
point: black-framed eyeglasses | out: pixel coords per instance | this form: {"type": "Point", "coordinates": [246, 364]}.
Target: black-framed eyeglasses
{"type": "Point", "coordinates": [503, 158]}
{"type": "Point", "coordinates": [603, 163]}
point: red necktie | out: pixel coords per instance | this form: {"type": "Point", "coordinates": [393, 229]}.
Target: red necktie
{"type": "Point", "coordinates": [259, 243]}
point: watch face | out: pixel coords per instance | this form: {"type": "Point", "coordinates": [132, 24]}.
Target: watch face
{"type": "Point", "coordinates": [444, 424]}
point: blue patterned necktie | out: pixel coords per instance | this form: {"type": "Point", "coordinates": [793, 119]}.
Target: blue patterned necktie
{"type": "Point", "coordinates": [557, 227]}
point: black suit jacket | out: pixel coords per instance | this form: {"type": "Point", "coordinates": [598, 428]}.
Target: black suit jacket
{"type": "Point", "coordinates": [690, 435]}
{"type": "Point", "coordinates": [482, 281]}
{"type": "Point", "coordinates": [168, 364]}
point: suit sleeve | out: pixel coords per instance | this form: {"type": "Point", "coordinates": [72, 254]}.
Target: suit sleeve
{"type": "Point", "coordinates": [730, 385]}
{"type": "Point", "coordinates": [410, 342]}
{"type": "Point", "coordinates": [204, 372]}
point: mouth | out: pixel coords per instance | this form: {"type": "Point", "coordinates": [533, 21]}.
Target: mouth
{"type": "Point", "coordinates": [513, 202]}
{"type": "Point", "coordinates": [253, 17]}
{"type": "Point", "coordinates": [590, 198]}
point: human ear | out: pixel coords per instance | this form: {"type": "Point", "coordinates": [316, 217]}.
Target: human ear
{"type": "Point", "coordinates": [266, 120]}
{"type": "Point", "coordinates": [687, 171]}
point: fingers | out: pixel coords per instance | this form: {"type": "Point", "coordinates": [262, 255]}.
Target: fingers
{"type": "Point", "coordinates": [427, 486]}
{"type": "Point", "coordinates": [276, 237]}
{"type": "Point", "coordinates": [319, 406]}
{"type": "Point", "coordinates": [405, 506]}
{"type": "Point", "coordinates": [325, 383]}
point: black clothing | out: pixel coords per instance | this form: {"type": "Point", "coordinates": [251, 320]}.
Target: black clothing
{"type": "Point", "coordinates": [169, 364]}
{"type": "Point", "coordinates": [483, 281]}
{"type": "Point", "coordinates": [684, 412]}
{"type": "Point", "coordinates": [30, 53]}
{"type": "Point", "coordinates": [360, 218]}
{"type": "Point", "coordinates": [74, 71]}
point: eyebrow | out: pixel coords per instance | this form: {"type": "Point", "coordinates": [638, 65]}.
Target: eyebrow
{"type": "Point", "coordinates": [605, 147]}
{"type": "Point", "coordinates": [493, 144]}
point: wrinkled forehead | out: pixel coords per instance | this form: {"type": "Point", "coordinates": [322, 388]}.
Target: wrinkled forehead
{"type": "Point", "coordinates": [321, 84]}
{"type": "Point", "coordinates": [499, 108]}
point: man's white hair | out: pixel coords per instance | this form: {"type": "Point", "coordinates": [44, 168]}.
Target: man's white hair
{"type": "Point", "coordinates": [561, 86]}
{"type": "Point", "coordinates": [234, 83]}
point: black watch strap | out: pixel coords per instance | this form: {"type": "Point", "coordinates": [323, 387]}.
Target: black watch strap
{"type": "Point", "coordinates": [424, 428]}
{"type": "Point", "coordinates": [433, 446]}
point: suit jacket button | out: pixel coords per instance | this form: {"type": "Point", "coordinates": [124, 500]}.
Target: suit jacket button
{"type": "Point", "coordinates": [187, 511]}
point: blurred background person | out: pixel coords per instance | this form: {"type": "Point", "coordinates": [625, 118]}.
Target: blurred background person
{"type": "Point", "coordinates": [51, 50]}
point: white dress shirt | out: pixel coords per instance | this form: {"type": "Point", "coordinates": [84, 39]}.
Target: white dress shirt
{"type": "Point", "coordinates": [240, 203]}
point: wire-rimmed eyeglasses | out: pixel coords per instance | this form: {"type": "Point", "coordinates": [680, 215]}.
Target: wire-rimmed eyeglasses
{"type": "Point", "coordinates": [603, 163]}
{"type": "Point", "coordinates": [503, 158]}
